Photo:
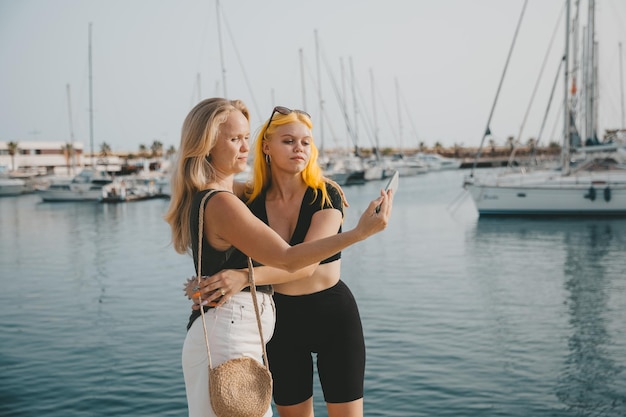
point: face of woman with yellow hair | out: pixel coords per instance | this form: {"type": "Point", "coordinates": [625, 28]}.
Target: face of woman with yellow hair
{"type": "Point", "coordinates": [289, 147]}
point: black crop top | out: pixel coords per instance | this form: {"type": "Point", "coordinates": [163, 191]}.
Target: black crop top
{"type": "Point", "coordinates": [310, 205]}
{"type": "Point", "coordinates": [213, 260]}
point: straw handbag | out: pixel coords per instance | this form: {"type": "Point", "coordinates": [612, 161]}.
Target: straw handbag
{"type": "Point", "coordinates": [240, 387]}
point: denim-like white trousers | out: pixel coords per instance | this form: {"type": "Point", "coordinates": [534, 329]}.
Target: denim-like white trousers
{"type": "Point", "coordinates": [233, 332]}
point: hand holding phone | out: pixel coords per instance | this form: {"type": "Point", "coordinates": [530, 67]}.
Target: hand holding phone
{"type": "Point", "coordinates": [391, 185]}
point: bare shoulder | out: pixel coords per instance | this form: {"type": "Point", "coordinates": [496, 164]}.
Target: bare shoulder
{"type": "Point", "coordinates": [225, 200]}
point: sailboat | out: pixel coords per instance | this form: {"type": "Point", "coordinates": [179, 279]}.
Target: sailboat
{"type": "Point", "coordinates": [88, 184]}
{"type": "Point", "coordinates": [595, 185]}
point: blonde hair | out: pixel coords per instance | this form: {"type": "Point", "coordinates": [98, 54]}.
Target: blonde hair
{"type": "Point", "coordinates": [193, 169]}
{"type": "Point", "coordinates": [262, 175]}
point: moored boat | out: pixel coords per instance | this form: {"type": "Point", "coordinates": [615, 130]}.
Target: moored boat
{"type": "Point", "coordinates": [591, 180]}
{"type": "Point", "coordinates": [596, 187]}
{"type": "Point", "coordinates": [86, 186]}
{"type": "Point", "coordinates": [436, 162]}
{"type": "Point", "coordinates": [12, 186]}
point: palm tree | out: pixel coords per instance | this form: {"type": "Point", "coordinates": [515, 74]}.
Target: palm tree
{"type": "Point", "coordinates": [68, 150]}
{"type": "Point", "coordinates": [170, 151]}
{"type": "Point", "coordinates": [511, 142]}
{"type": "Point", "coordinates": [156, 148]}
{"type": "Point", "coordinates": [143, 150]}
{"type": "Point", "coordinates": [105, 149]}
{"type": "Point", "coordinates": [492, 145]}
{"type": "Point", "coordinates": [457, 150]}
{"type": "Point", "coordinates": [12, 147]}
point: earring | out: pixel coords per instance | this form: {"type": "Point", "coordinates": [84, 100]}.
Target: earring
{"type": "Point", "coordinates": [268, 159]}
{"type": "Point", "coordinates": [208, 158]}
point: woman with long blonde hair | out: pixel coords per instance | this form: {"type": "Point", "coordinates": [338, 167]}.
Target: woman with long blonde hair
{"type": "Point", "coordinates": [214, 148]}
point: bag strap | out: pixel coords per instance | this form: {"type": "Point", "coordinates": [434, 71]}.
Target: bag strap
{"type": "Point", "coordinates": [256, 309]}
{"type": "Point", "coordinates": [250, 281]}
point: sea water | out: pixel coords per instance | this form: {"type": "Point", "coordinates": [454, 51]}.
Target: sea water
{"type": "Point", "coordinates": [463, 316]}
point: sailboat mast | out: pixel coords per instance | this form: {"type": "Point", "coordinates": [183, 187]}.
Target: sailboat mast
{"type": "Point", "coordinates": [400, 141]}
{"type": "Point", "coordinates": [219, 37]}
{"type": "Point", "coordinates": [621, 83]}
{"type": "Point", "coordinates": [199, 87]}
{"type": "Point", "coordinates": [591, 104]}
{"type": "Point", "coordinates": [355, 106]}
{"type": "Point", "coordinates": [566, 111]}
{"type": "Point", "coordinates": [344, 102]}
{"type": "Point", "coordinates": [69, 113]}
{"type": "Point", "coordinates": [90, 101]}
{"type": "Point", "coordinates": [375, 118]}
{"type": "Point", "coordinates": [319, 91]}
{"type": "Point", "coordinates": [301, 53]}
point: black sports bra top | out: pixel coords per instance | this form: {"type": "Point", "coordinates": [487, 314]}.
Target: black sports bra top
{"type": "Point", "coordinates": [309, 206]}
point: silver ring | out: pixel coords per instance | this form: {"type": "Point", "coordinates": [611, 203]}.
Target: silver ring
{"type": "Point", "coordinates": [196, 288]}
{"type": "Point", "coordinates": [223, 292]}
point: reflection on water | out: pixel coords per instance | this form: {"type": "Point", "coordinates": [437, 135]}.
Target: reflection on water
{"type": "Point", "coordinates": [591, 381]}
{"type": "Point", "coordinates": [588, 380]}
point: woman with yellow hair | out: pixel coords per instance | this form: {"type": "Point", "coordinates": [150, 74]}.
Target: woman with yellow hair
{"type": "Point", "coordinates": [315, 311]}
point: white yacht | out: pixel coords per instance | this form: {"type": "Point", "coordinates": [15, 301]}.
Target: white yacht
{"type": "Point", "coordinates": [594, 185]}
{"type": "Point", "coordinates": [86, 186]}
{"type": "Point", "coordinates": [11, 186]}
{"type": "Point", "coordinates": [436, 162]}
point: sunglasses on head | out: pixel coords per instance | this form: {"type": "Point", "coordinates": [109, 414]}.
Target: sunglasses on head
{"type": "Point", "coordinates": [284, 111]}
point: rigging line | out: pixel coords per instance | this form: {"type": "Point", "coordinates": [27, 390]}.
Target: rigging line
{"type": "Point", "coordinates": [243, 69]}
{"type": "Point", "coordinates": [545, 116]}
{"type": "Point", "coordinates": [392, 128]}
{"type": "Point", "coordinates": [195, 96]}
{"type": "Point", "coordinates": [557, 121]}
{"type": "Point", "coordinates": [508, 59]}
{"type": "Point", "coordinates": [324, 117]}
{"type": "Point", "coordinates": [366, 120]}
{"type": "Point", "coordinates": [342, 104]}
{"type": "Point", "coordinates": [406, 108]}
{"type": "Point", "coordinates": [456, 202]}
{"type": "Point", "coordinates": [312, 78]}
{"type": "Point", "coordinates": [203, 49]}
{"type": "Point", "coordinates": [369, 129]}
{"type": "Point", "coordinates": [533, 95]}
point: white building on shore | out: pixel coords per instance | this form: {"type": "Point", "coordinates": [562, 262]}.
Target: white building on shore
{"type": "Point", "coordinates": [50, 158]}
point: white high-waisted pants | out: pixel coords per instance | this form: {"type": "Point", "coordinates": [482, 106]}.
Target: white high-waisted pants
{"type": "Point", "coordinates": [233, 332]}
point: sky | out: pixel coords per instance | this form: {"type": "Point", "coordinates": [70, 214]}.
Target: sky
{"type": "Point", "coordinates": [408, 71]}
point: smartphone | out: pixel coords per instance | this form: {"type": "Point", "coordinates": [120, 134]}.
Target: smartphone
{"type": "Point", "coordinates": [391, 185]}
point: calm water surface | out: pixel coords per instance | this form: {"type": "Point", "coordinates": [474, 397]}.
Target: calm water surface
{"type": "Point", "coordinates": [463, 317]}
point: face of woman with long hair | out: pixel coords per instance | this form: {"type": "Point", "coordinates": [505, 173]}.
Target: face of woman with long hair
{"type": "Point", "coordinates": [230, 153]}
{"type": "Point", "coordinates": [289, 147]}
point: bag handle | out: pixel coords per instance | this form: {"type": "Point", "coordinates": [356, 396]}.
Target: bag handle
{"type": "Point", "coordinates": [250, 281]}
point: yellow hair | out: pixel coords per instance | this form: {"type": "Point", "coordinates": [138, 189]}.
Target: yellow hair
{"type": "Point", "coordinates": [192, 171]}
{"type": "Point", "coordinates": [261, 173]}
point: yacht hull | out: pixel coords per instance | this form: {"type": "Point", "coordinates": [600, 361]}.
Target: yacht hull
{"type": "Point", "coordinates": [589, 198]}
